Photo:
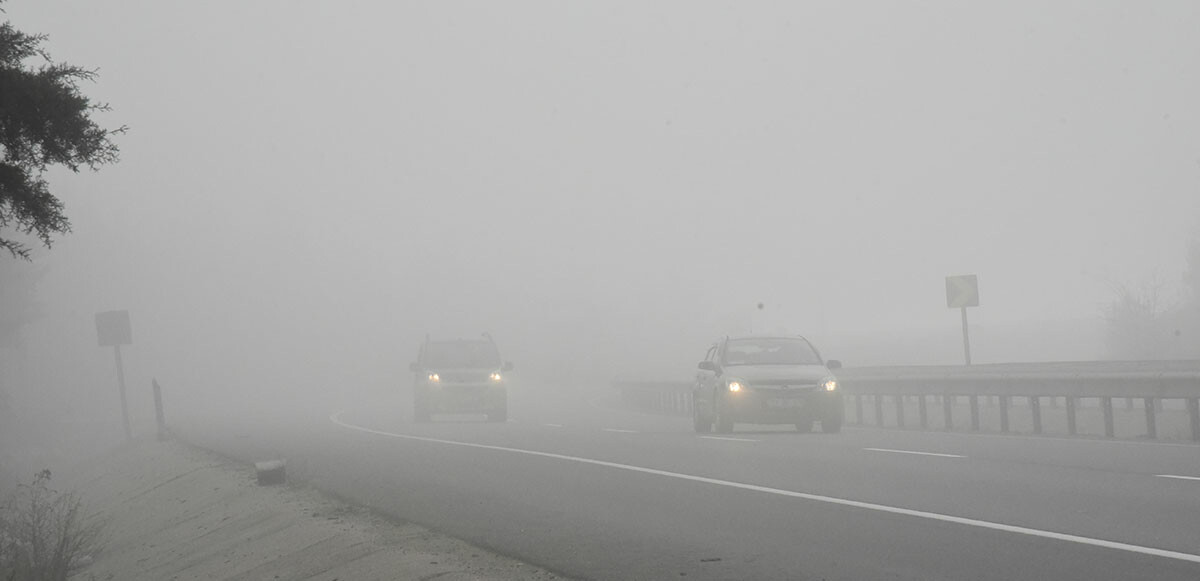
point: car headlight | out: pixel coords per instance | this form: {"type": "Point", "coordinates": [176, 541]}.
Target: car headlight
{"type": "Point", "coordinates": [830, 384]}
{"type": "Point", "coordinates": [735, 386]}
{"type": "Point", "coordinates": [496, 376]}
{"type": "Point", "coordinates": [434, 378]}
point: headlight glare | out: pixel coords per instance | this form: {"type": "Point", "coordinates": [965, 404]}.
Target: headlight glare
{"type": "Point", "coordinates": [434, 378]}
{"type": "Point", "coordinates": [830, 384]}
{"type": "Point", "coordinates": [497, 377]}
{"type": "Point", "coordinates": [735, 386]}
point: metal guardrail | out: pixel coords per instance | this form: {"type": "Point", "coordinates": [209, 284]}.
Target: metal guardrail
{"type": "Point", "coordinates": [1061, 386]}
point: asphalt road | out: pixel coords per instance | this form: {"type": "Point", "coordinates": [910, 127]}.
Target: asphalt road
{"type": "Point", "coordinates": [590, 490]}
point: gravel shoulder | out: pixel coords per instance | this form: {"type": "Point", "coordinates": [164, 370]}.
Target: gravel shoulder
{"type": "Point", "coordinates": [176, 512]}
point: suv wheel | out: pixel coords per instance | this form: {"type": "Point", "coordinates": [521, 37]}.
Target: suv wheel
{"type": "Point", "coordinates": [499, 407]}
{"type": "Point", "coordinates": [724, 421]}
{"type": "Point", "coordinates": [832, 423]}
{"type": "Point", "coordinates": [420, 410]}
{"type": "Point", "coordinates": [702, 423]}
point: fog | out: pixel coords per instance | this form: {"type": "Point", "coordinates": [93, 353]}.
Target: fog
{"type": "Point", "coordinates": [309, 188]}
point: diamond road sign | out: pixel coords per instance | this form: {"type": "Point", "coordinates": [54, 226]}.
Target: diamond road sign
{"type": "Point", "coordinates": [962, 291]}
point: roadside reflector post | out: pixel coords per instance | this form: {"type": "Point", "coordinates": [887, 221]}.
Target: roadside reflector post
{"type": "Point", "coordinates": [923, 412]}
{"type": "Point", "coordinates": [1035, 406]}
{"type": "Point", "coordinates": [974, 401]}
{"type": "Point", "coordinates": [1069, 403]}
{"type": "Point", "coordinates": [1151, 424]}
{"type": "Point", "coordinates": [1193, 405]}
{"type": "Point", "coordinates": [158, 410]}
{"type": "Point", "coordinates": [899, 411]}
{"type": "Point", "coordinates": [948, 412]}
{"type": "Point", "coordinates": [1107, 404]}
{"type": "Point", "coordinates": [1004, 413]}
{"type": "Point", "coordinates": [879, 410]}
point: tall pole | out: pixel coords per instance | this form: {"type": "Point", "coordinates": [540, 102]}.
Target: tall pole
{"type": "Point", "coordinates": [966, 337]}
{"type": "Point", "coordinates": [121, 384]}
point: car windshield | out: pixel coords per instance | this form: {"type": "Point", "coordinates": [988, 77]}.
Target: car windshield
{"type": "Point", "coordinates": [770, 352]}
{"type": "Point", "coordinates": [468, 354]}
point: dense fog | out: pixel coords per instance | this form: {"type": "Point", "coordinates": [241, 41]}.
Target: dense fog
{"type": "Point", "coordinates": [309, 188]}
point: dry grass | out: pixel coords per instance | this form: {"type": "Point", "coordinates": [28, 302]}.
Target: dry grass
{"type": "Point", "coordinates": [45, 534]}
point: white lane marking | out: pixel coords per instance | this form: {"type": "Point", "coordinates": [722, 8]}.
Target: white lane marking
{"type": "Point", "coordinates": [804, 495]}
{"type": "Point", "coordinates": [1178, 477]}
{"type": "Point", "coordinates": [729, 439]}
{"type": "Point", "coordinates": [553, 425]}
{"type": "Point", "coordinates": [619, 431]}
{"type": "Point", "coordinates": [889, 450]}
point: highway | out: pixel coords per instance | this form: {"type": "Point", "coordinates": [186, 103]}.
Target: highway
{"type": "Point", "coordinates": [578, 485]}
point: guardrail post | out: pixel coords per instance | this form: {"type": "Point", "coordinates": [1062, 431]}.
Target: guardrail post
{"type": "Point", "coordinates": [1129, 403]}
{"type": "Point", "coordinates": [1035, 406]}
{"type": "Point", "coordinates": [1106, 403]}
{"type": "Point", "coordinates": [921, 411]}
{"type": "Point", "coordinates": [1151, 424]}
{"type": "Point", "coordinates": [1193, 405]}
{"type": "Point", "coordinates": [879, 411]}
{"type": "Point", "coordinates": [858, 408]}
{"type": "Point", "coordinates": [1069, 403]}
{"type": "Point", "coordinates": [899, 411]}
{"type": "Point", "coordinates": [1004, 413]}
{"type": "Point", "coordinates": [974, 399]}
{"type": "Point", "coordinates": [947, 411]}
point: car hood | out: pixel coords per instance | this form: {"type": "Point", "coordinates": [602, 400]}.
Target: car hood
{"type": "Point", "coordinates": [753, 373]}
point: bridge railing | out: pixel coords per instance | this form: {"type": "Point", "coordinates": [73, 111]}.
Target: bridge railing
{"type": "Point", "coordinates": [1070, 398]}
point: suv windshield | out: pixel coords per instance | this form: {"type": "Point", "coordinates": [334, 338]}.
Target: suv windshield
{"type": "Point", "coordinates": [770, 352]}
{"type": "Point", "coordinates": [462, 354]}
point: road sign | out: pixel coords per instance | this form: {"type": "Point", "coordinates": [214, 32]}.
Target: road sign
{"type": "Point", "coordinates": [112, 328]}
{"type": "Point", "coordinates": [962, 291]}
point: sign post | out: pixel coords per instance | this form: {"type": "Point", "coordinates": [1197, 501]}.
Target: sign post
{"type": "Point", "coordinates": [962, 292]}
{"type": "Point", "coordinates": [113, 330]}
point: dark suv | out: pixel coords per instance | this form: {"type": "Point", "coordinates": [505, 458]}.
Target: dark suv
{"type": "Point", "coordinates": [460, 377]}
{"type": "Point", "coordinates": [766, 380]}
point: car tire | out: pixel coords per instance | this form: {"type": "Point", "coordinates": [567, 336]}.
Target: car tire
{"type": "Point", "coordinates": [832, 421]}
{"type": "Point", "coordinates": [723, 421]}
{"type": "Point", "coordinates": [420, 410]}
{"type": "Point", "coordinates": [831, 424]}
{"type": "Point", "coordinates": [702, 423]}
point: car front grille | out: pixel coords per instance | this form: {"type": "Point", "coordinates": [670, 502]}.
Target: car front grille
{"type": "Point", "coordinates": [464, 377]}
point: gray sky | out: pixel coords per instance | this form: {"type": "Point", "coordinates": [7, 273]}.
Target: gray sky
{"type": "Point", "coordinates": [325, 181]}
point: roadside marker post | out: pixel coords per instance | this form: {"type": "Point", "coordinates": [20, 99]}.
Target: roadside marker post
{"type": "Point", "coordinates": [961, 292]}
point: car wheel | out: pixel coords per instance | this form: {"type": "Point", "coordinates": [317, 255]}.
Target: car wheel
{"type": "Point", "coordinates": [420, 410]}
{"type": "Point", "coordinates": [831, 424]}
{"type": "Point", "coordinates": [702, 423]}
{"type": "Point", "coordinates": [499, 413]}
{"type": "Point", "coordinates": [724, 421]}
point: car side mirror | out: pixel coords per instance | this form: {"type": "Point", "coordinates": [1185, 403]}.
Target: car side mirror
{"type": "Point", "coordinates": [707, 366]}
{"type": "Point", "coordinates": [414, 367]}
{"type": "Point", "coordinates": [508, 366]}
{"type": "Point", "coordinates": [833, 364]}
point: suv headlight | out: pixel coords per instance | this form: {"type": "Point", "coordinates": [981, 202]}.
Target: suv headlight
{"type": "Point", "coordinates": [434, 378]}
{"type": "Point", "coordinates": [735, 386]}
{"type": "Point", "coordinates": [829, 384]}
{"type": "Point", "coordinates": [497, 377]}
